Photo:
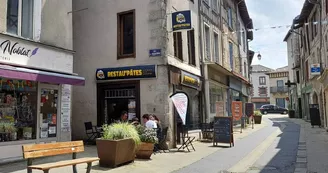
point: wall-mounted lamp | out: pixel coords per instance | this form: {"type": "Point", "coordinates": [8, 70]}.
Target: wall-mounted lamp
{"type": "Point", "coordinates": [259, 56]}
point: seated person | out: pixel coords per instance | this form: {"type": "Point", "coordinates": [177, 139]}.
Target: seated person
{"type": "Point", "coordinates": [148, 122]}
{"type": "Point", "coordinates": [135, 121]}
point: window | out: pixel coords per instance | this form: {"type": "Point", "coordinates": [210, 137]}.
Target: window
{"type": "Point", "coordinates": [326, 6]}
{"type": "Point", "coordinates": [239, 33]}
{"type": "Point", "coordinates": [126, 34]}
{"type": "Point", "coordinates": [215, 5]}
{"type": "Point", "coordinates": [191, 47]}
{"type": "Point", "coordinates": [318, 54]}
{"type": "Point", "coordinates": [216, 47]}
{"type": "Point", "coordinates": [177, 43]}
{"type": "Point", "coordinates": [243, 35]}
{"type": "Point", "coordinates": [245, 69]}
{"type": "Point", "coordinates": [18, 99]}
{"type": "Point", "coordinates": [229, 13]}
{"type": "Point", "coordinates": [307, 70]}
{"type": "Point", "coordinates": [280, 83]}
{"type": "Point", "coordinates": [231, 54]}
{"type": "Point", "coordinates": [262, 80]}
{"type": "Point", "coordinates": [262, 91]}
{"type": "Point", "coordinates": [20, 17]}
{"type": "Point", "coordinates": [207, 43]}
{"type": "Point", "coordinates": [298, 76]}
{"type": "Point", "coordinates": [216, 94]}
{"type": "Point", "coordinates": [326, 40]}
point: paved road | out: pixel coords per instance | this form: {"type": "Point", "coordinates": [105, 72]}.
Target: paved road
{"type": "Point", "coordinates": [280, 156]}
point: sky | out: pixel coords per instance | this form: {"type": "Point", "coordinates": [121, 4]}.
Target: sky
{"type": "Point", "coordinates": [269, 42]}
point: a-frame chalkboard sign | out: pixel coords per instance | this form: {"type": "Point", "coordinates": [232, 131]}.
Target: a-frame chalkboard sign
{"type": "Point", "coordinates": [223, 131]}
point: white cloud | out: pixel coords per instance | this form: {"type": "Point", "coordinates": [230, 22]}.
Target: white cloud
{"type": "Point", "coordinates": [269, 42]}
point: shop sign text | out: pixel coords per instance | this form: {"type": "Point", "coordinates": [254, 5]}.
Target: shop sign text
{"type": "Point", "coordinates": [14, 48]}
{"type": "Point", "coordinates": [146, 71]}
{"type": "Point", "coordinates": [190, 80]}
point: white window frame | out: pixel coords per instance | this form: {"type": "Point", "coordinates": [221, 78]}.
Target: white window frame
{"type": "Point", "coordinates": [207, 42]}
{"type": "Point", "coordinates": [36, 17]}
{"type": "Point", "coordinates": [216, 54]}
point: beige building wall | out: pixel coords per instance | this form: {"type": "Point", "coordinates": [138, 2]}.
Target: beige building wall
{"type": "Point", "coordinates": [95, 43]}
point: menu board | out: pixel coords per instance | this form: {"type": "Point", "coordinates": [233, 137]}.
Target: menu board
{"type": "Point", "coordinates": [249, 109]}
{"type": "Point", "coordinates": [132, 109]}
{"type": "Point", "coordinates": [237, 110]}
{"type": "Point", "coordinates": [223, 130]}
{"type": "Point", "coordinates": [219, 108]}
{"type": "Point", "coordinates": [66, 108]}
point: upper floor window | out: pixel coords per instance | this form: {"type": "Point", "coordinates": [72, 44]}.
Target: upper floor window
{"type": "Point", "coordinates": [243, 37]}
{"type": "Point", "coordinates": [207, 43]}
{"type": "Point", "coordinates": [126, 34]}
{"type": "Point", "coordinates": [216, 47]}
{"type": "Point", "coordinates": [20, 17]}
{"type": "Point", "coordinates": [191, 47]}
{"type": "Point", "coordinates": [262, 80]}
{"type": "Point", "coordinates": [231, 54]}
{"type": "Point", "coordinates": [177, 44]}
{"type": "Point", "coordinates": [214, 5]}
{"type": "Point", "coordinates": [245, 69]}
{"type": "Point", "coordinates": [229, 13]}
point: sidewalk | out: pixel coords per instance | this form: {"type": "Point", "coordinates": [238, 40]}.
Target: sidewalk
{"type": "Point", "coordinates": [312, 149]}
{"type": "Point", "coordinates": [160, 163]}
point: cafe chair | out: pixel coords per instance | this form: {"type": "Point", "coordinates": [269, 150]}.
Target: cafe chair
{"type": "Point", "coordinates": [92, 132]}
{"type": "Point", "coordinates": [186, 141]}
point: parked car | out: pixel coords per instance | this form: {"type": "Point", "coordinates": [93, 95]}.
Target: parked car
{"type": "Point", "coordinates": [265, 109]}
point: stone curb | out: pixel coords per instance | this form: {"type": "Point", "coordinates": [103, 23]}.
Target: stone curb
{"type": "Point", "coordinates": [301, 158]}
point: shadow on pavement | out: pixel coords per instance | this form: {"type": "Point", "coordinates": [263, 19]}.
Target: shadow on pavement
{"type": "Point", "coordinates": [281, 154]}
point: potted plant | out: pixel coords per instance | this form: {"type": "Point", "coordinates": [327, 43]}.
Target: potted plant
{"type": "Point", "coordinates": [117, 145]}
{"type": "Point", "coordinates": [257, 117]}
{"type": "Point", "coordinates": [148, 138]}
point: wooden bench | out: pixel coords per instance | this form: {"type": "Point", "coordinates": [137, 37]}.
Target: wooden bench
{"type": "Point", "coordinates": [33, 151]}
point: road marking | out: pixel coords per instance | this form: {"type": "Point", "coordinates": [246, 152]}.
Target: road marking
{"type": "Point", "coordinates": [244, 164]}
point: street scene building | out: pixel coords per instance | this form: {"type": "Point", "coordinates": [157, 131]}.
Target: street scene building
{"type": "Point", "coordinates": [139, 69]}
{"type": "Point", "coordinates": [278, 90]}
{"type": "Point", "coordinates": [36, 74]}
{"type": "Point", "coordinates": [170, 61]}
{"type": "Point", "coordinates": [260, 92]}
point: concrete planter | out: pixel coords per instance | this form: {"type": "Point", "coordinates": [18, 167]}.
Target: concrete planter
{"type": "Point", "coordinates": [114, 153]}
{"type": "Point", "coordinates": [145, 150]}
{"type": "Point", "coordinates": [257, 119]}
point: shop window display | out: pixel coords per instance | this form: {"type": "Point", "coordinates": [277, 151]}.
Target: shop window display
{"type": "Point", "coordinates": [18, 109]}
{"type": "Point", "coordinates": [216, 94]}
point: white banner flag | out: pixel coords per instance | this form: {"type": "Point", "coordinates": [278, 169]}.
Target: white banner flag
{"type": "Point", "coordinates": [180, 101]}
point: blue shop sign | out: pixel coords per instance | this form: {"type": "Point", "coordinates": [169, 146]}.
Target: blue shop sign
{"type": "Point", "coordinates": [155, 52]}
{"type": "Point", "coordinates": [315, 69]}
{"type": "Point", "coordinates": [181, 20]}
{"type": "Point", "coordinates": [131, 72]}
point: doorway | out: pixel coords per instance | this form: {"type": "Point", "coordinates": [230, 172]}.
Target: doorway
{"type": "Point", "coordinates": [113, 99]}
{"type": "Point", "coordinates": [48, 111]}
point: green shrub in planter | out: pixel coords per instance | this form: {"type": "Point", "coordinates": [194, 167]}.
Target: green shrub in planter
{"type": "Point", "coordinates": [118, 144]}
{"type": "Point", "coordinates": [148, 138]}
{"type": "Point", "coordinates": [257, 117]}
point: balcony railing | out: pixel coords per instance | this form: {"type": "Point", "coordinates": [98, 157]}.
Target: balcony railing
{"type": "Point", "coordinates": [283, 89]}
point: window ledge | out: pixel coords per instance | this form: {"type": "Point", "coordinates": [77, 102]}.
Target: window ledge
{"type": "Point", "coordinates": [126, 56]}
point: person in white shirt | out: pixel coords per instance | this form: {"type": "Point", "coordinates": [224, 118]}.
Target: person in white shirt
{"type": "Point", "coordinates": [149, 123]}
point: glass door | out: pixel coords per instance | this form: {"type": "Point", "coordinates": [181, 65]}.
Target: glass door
{"type": "Point", "coordinates": [48, 111]}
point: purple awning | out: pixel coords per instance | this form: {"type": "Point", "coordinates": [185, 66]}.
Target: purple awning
{"type": "Point", "coordinates": [41, 76]}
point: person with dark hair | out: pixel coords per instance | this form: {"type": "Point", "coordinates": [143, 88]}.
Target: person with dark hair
{"type": "Point", "coordinates": [154, 118]}
{"type": "Point", "coordinates": [124, 116]}
{"type": "Point", "coordinates": [148, 122]}
{"type": "Point", "coordinates": [135, 121]}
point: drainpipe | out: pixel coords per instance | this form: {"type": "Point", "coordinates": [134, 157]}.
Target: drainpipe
{"type": "Point", "coordinates": [202, 66]}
